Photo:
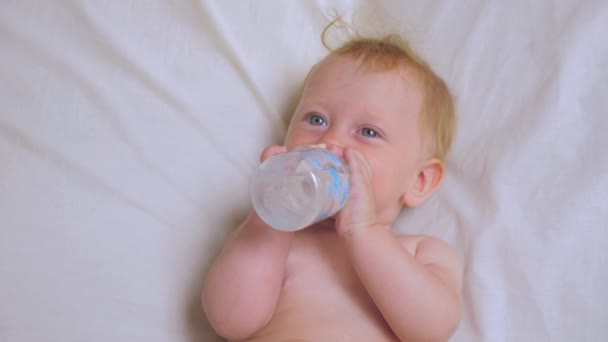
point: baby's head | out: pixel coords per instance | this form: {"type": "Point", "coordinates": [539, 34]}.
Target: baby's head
{"type": "Point", "coordinates": [379, 97]}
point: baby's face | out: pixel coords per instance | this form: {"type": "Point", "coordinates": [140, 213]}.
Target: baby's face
{"type": "Point", "coordinates": [377, 113]}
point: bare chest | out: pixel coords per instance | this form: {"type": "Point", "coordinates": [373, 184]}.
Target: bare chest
{"type": "Point", "coordinates": [319, 259]}
{"type": "Point", "coordinates": [322, 297]}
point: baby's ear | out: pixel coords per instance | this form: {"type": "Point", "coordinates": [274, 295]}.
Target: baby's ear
{"type": "Point", "coordinates": [430, 175]}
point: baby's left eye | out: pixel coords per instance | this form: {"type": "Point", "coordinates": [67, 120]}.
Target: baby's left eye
{"type": "Point", "coordinates": [369, 132]}
{"type": "Point", "coordinates": [316, 120]}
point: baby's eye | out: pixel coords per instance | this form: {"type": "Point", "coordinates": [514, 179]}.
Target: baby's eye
{"type": "Point", "coordinates": [370, 133]}
{"type": "Point", "coordinates": [316, 120]}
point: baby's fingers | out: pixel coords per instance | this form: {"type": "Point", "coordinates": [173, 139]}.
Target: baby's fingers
{"type": "Point", "coordinates": [272, 151]}
{"type": "Point", "coordinates": [361, 192]}
{"type": "Point", "coordinates": [359, 211]}
{"type": "Point", "coordinates": [358, 165]}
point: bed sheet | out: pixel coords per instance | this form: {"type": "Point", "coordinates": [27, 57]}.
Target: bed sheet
{"type": "Point", "coordinates": [129, 131]}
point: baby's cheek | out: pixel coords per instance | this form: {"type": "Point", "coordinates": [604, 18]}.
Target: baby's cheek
{"type": "Point", "coordinates": [378, 186]}
{"type": "Point", "coordinates": [383, 187]}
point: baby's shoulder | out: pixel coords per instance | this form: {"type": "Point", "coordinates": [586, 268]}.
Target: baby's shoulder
{"type": "Point", "coordinates": [410, 242]}
{"type": "Point", "coordinates": [420, 245]}
{"type": "Point", "coordinates": [430, 250]}
{"type": "Point", "coordinates": [436, 255]}
{"type": "Point", "coordinates": [415, 242]}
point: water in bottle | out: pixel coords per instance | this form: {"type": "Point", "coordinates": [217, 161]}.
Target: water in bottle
{"type": "Point", "coordinates": [293, 190]}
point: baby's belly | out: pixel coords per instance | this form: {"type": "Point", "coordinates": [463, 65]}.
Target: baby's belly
{"type": "Point", "coordinates": [301, 326]}
{"type": "Point", "coordinates": [325, 316]}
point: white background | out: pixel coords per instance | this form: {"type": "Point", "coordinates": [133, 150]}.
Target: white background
{"type": "Point", "coordinates": [129, 130]}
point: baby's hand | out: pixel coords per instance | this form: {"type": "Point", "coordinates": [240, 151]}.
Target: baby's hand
{"type": "Point", "coordinates": [272, 151]}
{"type": "Point", "coordinates": [359, 212]}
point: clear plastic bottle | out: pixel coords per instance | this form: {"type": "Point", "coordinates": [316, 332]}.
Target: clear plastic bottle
{"type": "Point", "coordinates": [293, 190]}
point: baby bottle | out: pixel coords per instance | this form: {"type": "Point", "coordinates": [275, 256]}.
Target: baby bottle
{"type": "Point", "coordinates": [293, 190]}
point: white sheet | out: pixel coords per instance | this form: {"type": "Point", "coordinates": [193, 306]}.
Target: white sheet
{"type": "Point", "coordinates": [128, 131]}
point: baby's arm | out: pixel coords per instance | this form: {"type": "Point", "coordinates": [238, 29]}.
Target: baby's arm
{"type": "Point", "coordinates": [415, 282]}
{"type": "Point", "coordinates": [418, 293]}
{"type": "Point", "coordinates": [243, 284]}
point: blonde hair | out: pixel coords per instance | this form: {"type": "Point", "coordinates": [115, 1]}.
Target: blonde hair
{"type": "Point", "coordinates": [391, 52]}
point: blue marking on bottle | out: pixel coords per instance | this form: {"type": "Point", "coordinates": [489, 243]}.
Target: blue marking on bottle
{"type": "Point", "coordinates": [316, 163]}
{"type": "Point", "coordinates": [332, 157]}
{"type": "Point", "coordinates": [335, 181]}
{"type": "Point", "coordinates": [328, 190]}
{"type": "Point", "coordinates": [345, 193]}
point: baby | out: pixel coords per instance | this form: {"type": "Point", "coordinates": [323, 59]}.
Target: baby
{"type": "Point", "coordinates": [377, 106]}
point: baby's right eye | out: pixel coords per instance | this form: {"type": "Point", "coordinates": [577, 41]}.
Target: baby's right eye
{"type": "Point", "coordinates": [316, 120]}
